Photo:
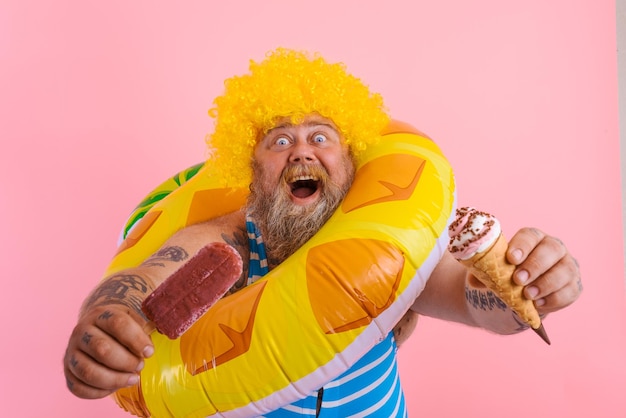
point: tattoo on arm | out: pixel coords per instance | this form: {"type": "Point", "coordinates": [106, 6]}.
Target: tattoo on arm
{"type": "Point", "coordinates": [122, 289]}
{"type": "Point", "coordinates": [484, 300]}
{"type": "Point", "coordinates": [105, 315]}
{"type": "Point", "coordinates": [173, 254]}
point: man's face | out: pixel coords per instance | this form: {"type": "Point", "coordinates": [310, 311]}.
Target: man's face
{"type": "Point", "coordinates": [302, 159]}
{"type": "Point", "coordinates": [301, 174]}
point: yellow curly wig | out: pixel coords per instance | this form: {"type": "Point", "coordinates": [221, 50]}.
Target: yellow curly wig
{"type": "Point", "coordinates": [288, 84]}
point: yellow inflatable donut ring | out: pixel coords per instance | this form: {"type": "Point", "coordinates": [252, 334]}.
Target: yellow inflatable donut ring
{"type": "Point", "coordinates": [314, 316]}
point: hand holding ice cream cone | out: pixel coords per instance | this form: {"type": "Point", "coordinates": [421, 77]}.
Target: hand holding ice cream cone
{"type": "Point", "coordinates": [476, 240]}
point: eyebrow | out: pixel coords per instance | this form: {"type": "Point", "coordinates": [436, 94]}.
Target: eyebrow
{"type": "Point", "coordinates": [307, 124]}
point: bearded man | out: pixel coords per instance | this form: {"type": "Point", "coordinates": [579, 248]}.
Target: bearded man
{"type": "Point", "coordinates": [292, 129]}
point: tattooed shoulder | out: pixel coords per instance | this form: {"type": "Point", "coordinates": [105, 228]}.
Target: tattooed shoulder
{"type": "Point", "coordinates": [238, 239]}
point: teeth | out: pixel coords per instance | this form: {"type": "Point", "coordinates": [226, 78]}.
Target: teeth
{"type": "Point", "coordinates": [302, 178]}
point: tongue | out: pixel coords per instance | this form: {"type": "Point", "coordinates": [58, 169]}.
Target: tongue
{"type": "Point", "coordinates": [302, 192]}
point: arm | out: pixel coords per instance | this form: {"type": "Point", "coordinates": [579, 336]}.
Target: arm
{"type": "Point", "coordinates": [550, 274]}
{"type": "Point", "coordinates": [107, 347]}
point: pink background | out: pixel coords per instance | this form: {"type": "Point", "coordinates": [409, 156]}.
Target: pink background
{"type": "Point", "coordinates": [100, 101]}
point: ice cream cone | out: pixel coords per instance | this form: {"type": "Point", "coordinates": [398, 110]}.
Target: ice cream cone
{"type": "Point", "coordinates": [492, 269]}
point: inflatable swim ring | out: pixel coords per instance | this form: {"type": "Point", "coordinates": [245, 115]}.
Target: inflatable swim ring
{"type": "Point", "coordinates": [311, 318]}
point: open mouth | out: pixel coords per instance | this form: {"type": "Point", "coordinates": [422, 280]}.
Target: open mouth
{"type": "Point", "coordinates": [304, 186]}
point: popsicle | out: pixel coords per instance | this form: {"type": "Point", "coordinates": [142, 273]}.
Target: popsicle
{"type": "Point", "coordinates": [187, 294]}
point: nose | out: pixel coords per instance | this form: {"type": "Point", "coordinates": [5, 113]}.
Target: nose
{"type": "Point", "coordinates": [303, 153]}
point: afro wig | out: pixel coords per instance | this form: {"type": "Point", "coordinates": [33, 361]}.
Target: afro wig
{"type": "Point", "coordinates": [289, 84]}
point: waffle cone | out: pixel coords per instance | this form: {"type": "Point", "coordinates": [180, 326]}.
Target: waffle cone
{"type": "Point", "coordinates": [492, 269]}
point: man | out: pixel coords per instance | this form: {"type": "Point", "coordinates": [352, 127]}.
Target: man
{"type": "Point", "coordinates": [293, 128]}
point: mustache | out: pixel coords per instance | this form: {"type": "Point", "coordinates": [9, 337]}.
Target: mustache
{"type": "Point", "coordinates": [294, 172]}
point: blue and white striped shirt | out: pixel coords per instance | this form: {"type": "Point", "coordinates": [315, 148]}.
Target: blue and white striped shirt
{"type": "Point", "coordinates": [370, 388]}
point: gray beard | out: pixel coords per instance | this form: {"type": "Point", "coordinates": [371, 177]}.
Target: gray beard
{"type": "Point", "coordinates": [285, 226]}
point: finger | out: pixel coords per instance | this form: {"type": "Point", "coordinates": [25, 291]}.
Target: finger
{"type": "Point", "coordinates": [106, 350]}
{"type": "Point", "coordinates": [88, 379]}
{"type": "Point", "coordinates": [548, 252]}
{"type": "Point", "coordinates": [559, 299]}
{"type": "Point", "coordinates": [557, 288]}
{"type": "Point", "coordinates": [82, 390]}
{"type": "Point", "coordinates": [522, 243]}
{"type": "Point", "coordinates": [126, 330]}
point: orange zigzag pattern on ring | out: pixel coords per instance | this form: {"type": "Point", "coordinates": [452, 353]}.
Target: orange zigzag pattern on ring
{"type": "Point", "coordinates": [392, 177]}
{"type": "Point", "coordinates": [349, 295]}
{"type": "Point", "coordinates": [364, 289]}
{"type": "Point", "coordinates": [231, 340]}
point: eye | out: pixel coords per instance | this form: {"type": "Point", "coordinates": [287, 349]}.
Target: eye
{"type": "Point", "coordinates": [319, 138]}
{"type": "Point", "coordinates": [281, 140]}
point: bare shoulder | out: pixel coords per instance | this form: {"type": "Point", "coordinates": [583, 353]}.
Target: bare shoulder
{"type": "Point", "coordinates": [236, 219]}
{"type": "Point", "coordinates": [229, 228]}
